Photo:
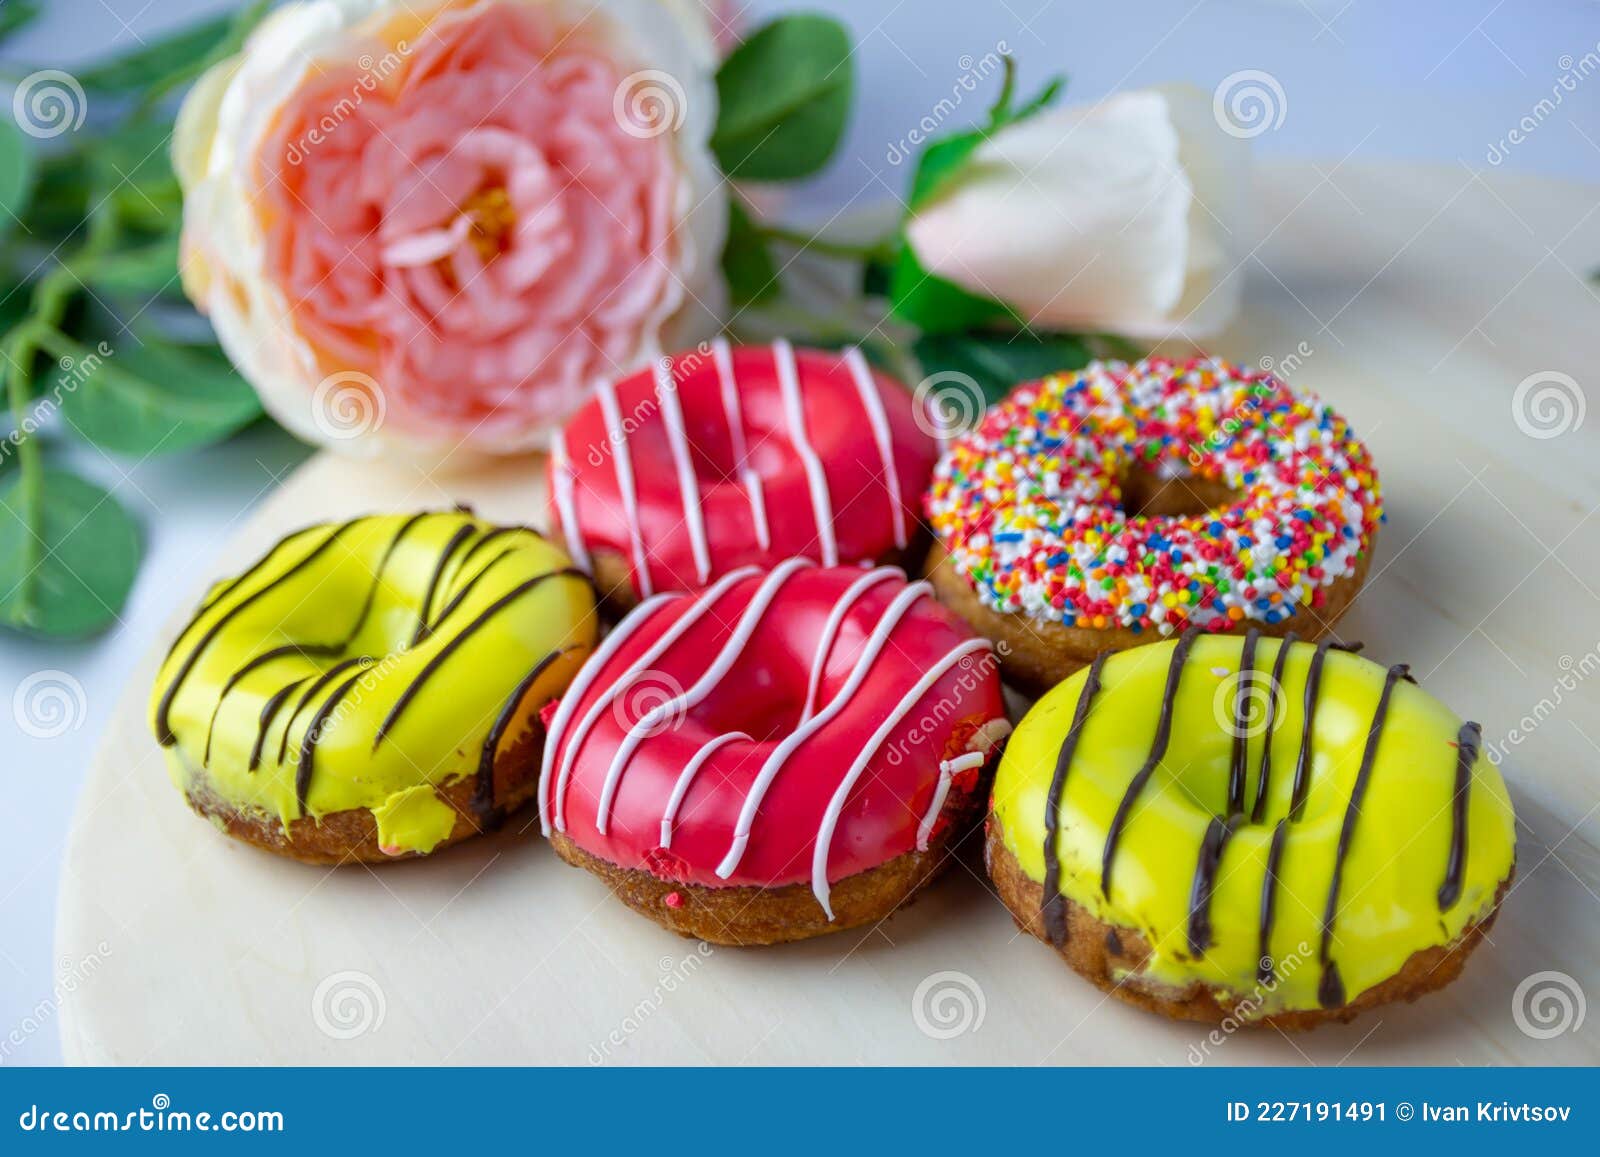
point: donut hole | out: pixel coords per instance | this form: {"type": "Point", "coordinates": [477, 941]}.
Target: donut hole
{"type": "Point", "coordinates": [1147, 493]}
{"type": "Point", "coordinates": [767, 711]}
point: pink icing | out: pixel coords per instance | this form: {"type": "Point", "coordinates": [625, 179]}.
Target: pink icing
{"type": "Point", "coordinates": [707, 459]}
{"type": "Point", "coordinates": [625, 797]}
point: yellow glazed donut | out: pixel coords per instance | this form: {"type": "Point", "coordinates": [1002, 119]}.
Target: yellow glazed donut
{"type": "Point", "coordinates": [1221, 827]}
{"type": "Point", "coordinates": [370, 689]}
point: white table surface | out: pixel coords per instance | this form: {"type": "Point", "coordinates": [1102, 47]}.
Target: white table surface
{"type": "Point", "coordinates": [1440, 81]}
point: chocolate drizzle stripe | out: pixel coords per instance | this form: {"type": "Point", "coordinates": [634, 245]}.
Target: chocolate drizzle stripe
{"type": "Point", "coordinates": [1158, 748]}
{"type": "Point", "coordinates": [1330, 992]}
{"type": "Point", "coordinates": [1218, 832]}
{"type": "Point", "coordinates": [1053, 909]}
{"type": "Point", "coordinates": [483, 800]}
{"type": "Point", "coordinates": [461, 596]}
{"type": "Point", "coordinates": [164, 733]}
{"type": "Point", "coordinates": [1469, 741]}
{"type": "Point", "coordinates": [461, 535]}
{"type": "Point", "coordinates": [1269, 903]}
{"type": "Point", "coordinates": [1302, 766]}
{"type": "Point", "coordinates": [313, 650]}
{"type": "Point", "coordinates": [227, 587]}
{"type": "Point", "coordinates": [1264, 777]}
{"type": "Point", "coordinates": [1237, 773]}
{"type": "Point", "coordinates": [255, 664]}
{"type": "Point", "coordinates": [308, 745]}
{"type": "Point", "coordinates": [317, 685]}
{"type": "Point", "coordinates": [432, 666]}
{"type": "Point", "coordinates": [493, 534]}
{"type": "Point", "coordinates": [268, 712]}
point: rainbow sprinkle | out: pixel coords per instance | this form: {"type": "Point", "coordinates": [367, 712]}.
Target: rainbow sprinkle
{"type": "Point", "coordinates": [1029, 503]}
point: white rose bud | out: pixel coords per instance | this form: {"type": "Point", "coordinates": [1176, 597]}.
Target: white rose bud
{"type": "Point", "coordinates": [1124, 216]}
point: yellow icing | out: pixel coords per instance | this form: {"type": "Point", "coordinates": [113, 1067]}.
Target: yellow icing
{"type": "Point", "coordinates": [414, 820]}
{"type": "Point", "coordinates": [1388, 906]}
{"type": "Point", "coordinates": [439, 736]}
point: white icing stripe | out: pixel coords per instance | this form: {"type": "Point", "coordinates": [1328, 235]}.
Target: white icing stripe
{"type": "Point", "coordinates": [816, 475]}
{"type": "Point", "coordinates": [830, 629]}
{"type": "Point", "coordinates": [948, 768]}
{"type": "Point", "coordinates": [940, 792]}
{"type": "Point", "coordinates": [580, 686]}
{"type": "Point", "coordinates": [561, 477]}
{"type": "Point", "coordinates": [774, 764]}
{"type": "Point", "coordinates": [830, 818]}
{"type": "Point", "coordinates": [703, 603]}
{"type": "Point", "coordinates": [872, 402]}
{"type": "Point", "coordinates": [646, 724]}
{"type": "Point", "coordinates": [686, 778]}
{"type": "Point", "coordinates": [683, 462]}
{"type": "Point", "coordinates": [723, 356]}
{"type": "Point", "coordinates": [622, 460]}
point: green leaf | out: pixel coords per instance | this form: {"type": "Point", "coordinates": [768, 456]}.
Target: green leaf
{"type": "Point", "coordinates": [935, 305]}
{"type": "Point", "coordinates": [16, 175]}
{"type": "Point", "coordinates": [141, 398]}
{"type": "Point", "coordinates": [135, 165]}
{"type": "Point", "coordinates": [143, 272]}
{"type": "Point", "coordinates": [997, 362]}
{"type": "Point", "coordinates": [16, 15]}
{"type": "Point", "coordinates": [746, 261]}
{"type": "Point", "coordinates": [68, 573]}
{"type": "Point", "coordinates": [60, 199]}
{"type": "Point", "coordinates": [783, 99]}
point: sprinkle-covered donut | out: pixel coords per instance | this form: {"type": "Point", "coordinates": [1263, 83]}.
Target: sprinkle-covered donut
{"type": "Point", "coordinates": [727, 457]}
{"type": "Point", "coordinates": [1093, 510]}
{"type": "Point", "coordinates": [1267, 830]}
{"type": "Point", "coordinates": [786, 753]}
{"type": "Point", "coordinates": [370, 689]}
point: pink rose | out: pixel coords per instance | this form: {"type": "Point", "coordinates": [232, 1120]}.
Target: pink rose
{"type": "Point", "coordinates": [435, 225]}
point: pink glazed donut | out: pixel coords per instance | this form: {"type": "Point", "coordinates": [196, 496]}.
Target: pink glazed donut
{"type": "Point", "coordinates": [724, 457]}
{"type": "Point", "coordinates": [786, 753]}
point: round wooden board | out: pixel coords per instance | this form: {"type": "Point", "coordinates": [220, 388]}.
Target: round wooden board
{"type": "Point", "coordinates": [1415, 299]}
